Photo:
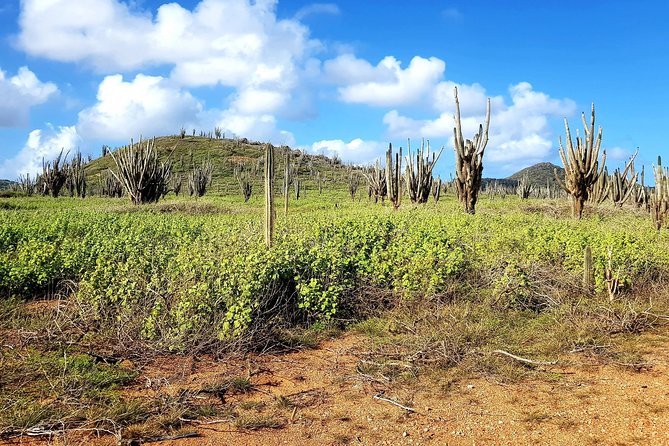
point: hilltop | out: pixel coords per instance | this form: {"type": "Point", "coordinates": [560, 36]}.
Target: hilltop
{"type": "Point", "coordinates": [539, 174]}
{"type": "Point", "coordinates": [225, 155]}
{"type": "Point", "coordinates": [6, 184]}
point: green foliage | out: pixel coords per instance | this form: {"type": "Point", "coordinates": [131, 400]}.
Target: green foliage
{"type": "Point", "coordinates": [177, 274]}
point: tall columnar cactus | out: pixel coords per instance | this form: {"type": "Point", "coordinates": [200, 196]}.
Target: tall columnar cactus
{"type": "Point", "coordinates": [143, 176]}
{"type": "Point", "coordinates": [27, 184]}
{"type": "Point", "coordinates": [623, 185]}
{"type": "Point", "coordinates": [581, 164]}
{"type": "Point", "coordinates": [418, 175]}
{"type": "Point", "coordinates": [287, 180]}
{"type": "Point", "coordinates": [269, 194]}
{"type": "Point", "coordinates": [588, 272]}
{"type": "Point", "coordinates": [436, 189]}
{"type": "Point", "coordinates": [641, 195]}
{"type": "Point", "coordinates": [76, 178]}
{"type": "Point", "coordinates": [394, 176]}
{"type": "Point", "coordinates": [200, 178]}
{"type": "Point", "coordinates": [469, 159]}
{"type": "Point", "coordinates": [353, 183]}
{"type": "Point", "coordinates": [243, 177]}
{"type": "Point", "coordinates": [376, 181]}
{"type": "Point", "coordinates": [600, 189]}
{"type": "Point", "coordinates": [524, 188]}
{"type": "Point", "coordinates": [660, 196]}
{"type": "Point", "coordinates": [111, 186]}
{"type": "Point", "coordinates": [177, 183]}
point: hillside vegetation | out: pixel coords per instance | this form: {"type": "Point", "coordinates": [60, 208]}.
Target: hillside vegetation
{"type": "Point", "coordinates": [226, 154]}
{"type": "Point", "coordinates": [539, 174]}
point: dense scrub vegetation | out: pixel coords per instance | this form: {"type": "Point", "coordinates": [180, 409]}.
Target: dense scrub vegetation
{"type": "Point", "coordinates": [182, 276]}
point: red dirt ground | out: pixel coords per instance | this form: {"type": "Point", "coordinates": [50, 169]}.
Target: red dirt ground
{"type": "Point", "coordinates": [327, 401]}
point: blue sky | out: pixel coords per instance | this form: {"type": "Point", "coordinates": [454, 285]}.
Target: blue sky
{"type": "Point", "coordinates": [341, 78]}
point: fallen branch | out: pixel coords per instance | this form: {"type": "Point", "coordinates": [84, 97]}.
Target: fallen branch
{"type": "Point", "coordinates": [524, 360]}
{"type": "Point", "coordinates": [379, 397]}
{"type": "Point", "coordinates": [208, 422]}
{"type": "Point", "coordinates": [138, 441]}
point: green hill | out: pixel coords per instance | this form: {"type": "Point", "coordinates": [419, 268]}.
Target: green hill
{"type": "Point", "coordinates": [539, 174]}
{"type": "Point", "coordinates": [6, 184]}
{"type": "Point", "coordinates": [225, 155]}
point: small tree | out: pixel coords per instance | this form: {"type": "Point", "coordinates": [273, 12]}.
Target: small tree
{"type": "Point", "coordinates": [581, 164]}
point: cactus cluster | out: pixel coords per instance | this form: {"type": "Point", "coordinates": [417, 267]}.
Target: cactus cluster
{"type": "Point", "coordinates": [376, 182]}
{"type": "Point", "coordinates": [144, 178]}
{"type": "Point", "coordinates": [623, 184]}
{"type": "Point", "coordinates": [469, 159]}
{"type": "Point", "coordinates": [76, 177]}
{"type": "Point", "coordinates": [200, 178]}
{"type": "Point", "coordinates": [54, 175]}
{"type": "Point", "coordinates": [581, 163]}
{"type": "Point", "coordinates": [418, 175]}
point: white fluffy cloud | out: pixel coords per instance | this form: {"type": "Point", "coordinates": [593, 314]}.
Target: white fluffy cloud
{"type": "Point", "coordinates": [386, 84]}
{"type": "Point", "coordinates": [147, 105]}
{"type": "Point", "coordinates": [255, 127]}
{"type": "Point", "coordinates": [356, 151]}
{"type": "Point", "coordinates": [230, 42]}
{"type": "Point", "coordinates": [19, 93]}
{"type": "Point", "coordinates": [41, 145]}
{"type": "Point", "coordinates": [238, 44]}
{"type": "Point", "coordinates": [519, 131]}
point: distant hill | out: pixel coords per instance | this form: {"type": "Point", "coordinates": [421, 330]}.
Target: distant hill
{"type": "Point", "coordinates": [225, 154]}
{"type": "Point", "coordinates": [538, 174]}
{"type": "Point", "coordinates": [6, 184]}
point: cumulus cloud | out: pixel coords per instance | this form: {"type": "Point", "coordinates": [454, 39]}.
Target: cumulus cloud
{"type": "Point", "coordinates": [147, 105]}
{"type": "Point", "coordinates": [519, 130]}
{"type": "Point", "coordinates": [231, 42]}
{"type": "Point", "coordinates": [357, 151]}
{"type": "Point", "coordinates": [237, 44]}
{"type": "Point", "coordinates": [19, 93]}
{"type": "Point", "coordinates": [41, 145]}
{"type": "Point", "coordinates": [255, 127]}
{"type": "Point", "coordinates": [387, 84]}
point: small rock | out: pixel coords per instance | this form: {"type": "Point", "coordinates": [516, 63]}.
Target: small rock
{"type": "Point", "coordinates": [470, 386]}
